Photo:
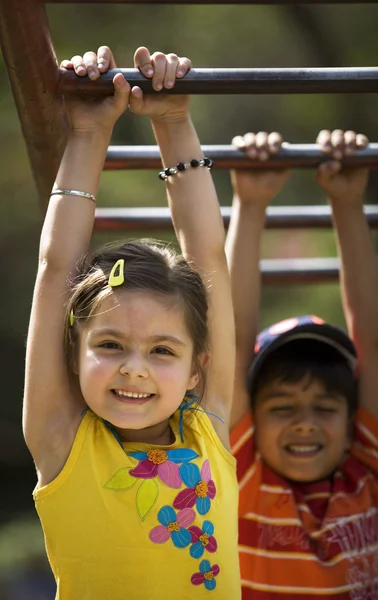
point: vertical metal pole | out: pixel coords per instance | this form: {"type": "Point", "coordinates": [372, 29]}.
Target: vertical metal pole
{"type": "Point", "coordinates": [33, 72]}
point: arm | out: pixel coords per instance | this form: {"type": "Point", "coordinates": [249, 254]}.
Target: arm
{"type": "Point", "coordinates": [253, 191]}
{"type": "Point", "coordinates": [51, 412]}
{"type": "Point", "coordinates": [198, 225]}
{"type": "Point", "coordinates": [359, 274]}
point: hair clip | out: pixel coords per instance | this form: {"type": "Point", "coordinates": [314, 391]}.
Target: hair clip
{"type": "Point", "coordinates": [117, 278]}
{"type": "Point", "coordinates": [72, 318]}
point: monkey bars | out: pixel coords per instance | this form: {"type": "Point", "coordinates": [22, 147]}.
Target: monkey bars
{"type": "Point", "coordinates": [26, 44]}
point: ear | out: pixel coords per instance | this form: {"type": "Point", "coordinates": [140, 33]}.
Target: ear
{"type": "Point", "coordinates": [194, 378]}
{"type": "Point", "coordinates": [197, 366]}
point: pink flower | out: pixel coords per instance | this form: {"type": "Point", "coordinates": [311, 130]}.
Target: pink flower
{"type": "Point", "coordinates": [162, 463]}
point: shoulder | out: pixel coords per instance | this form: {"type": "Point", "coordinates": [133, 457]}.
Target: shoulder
{"type": "Point", "coordinates": [365, 439]}
{"type": "Point", "coordinates": [198, 431]}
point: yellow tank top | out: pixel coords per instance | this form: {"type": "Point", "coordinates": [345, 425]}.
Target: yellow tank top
{"type": "Point", "coordinates": [136, 521]}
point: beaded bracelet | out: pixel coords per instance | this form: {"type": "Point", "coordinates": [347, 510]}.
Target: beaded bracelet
{"type": "Point", "coordinates": [193, 164]}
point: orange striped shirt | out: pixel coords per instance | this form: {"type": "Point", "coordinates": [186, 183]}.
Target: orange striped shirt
{"type": "Point", "coordinates": [304, 541]}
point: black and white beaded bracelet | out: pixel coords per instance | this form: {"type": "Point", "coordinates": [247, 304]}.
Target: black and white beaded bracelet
{"type": "Point", "coordinates": [193, 164]}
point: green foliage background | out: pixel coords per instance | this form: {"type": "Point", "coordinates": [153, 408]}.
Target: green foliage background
{"type": "Point", "coordinates": [212, 36]}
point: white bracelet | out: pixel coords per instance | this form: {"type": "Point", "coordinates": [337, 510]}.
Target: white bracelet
{"type": "Point", "coordinates": [74, 193]}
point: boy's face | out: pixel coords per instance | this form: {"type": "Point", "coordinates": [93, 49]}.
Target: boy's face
{"type": "Point", "coordinates": [301, 429]}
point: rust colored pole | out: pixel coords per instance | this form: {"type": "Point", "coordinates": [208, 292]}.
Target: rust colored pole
{"type": "Point", "coordinates": [278, 2]}
{"type": "Point", "coordinates": [33, 73]}
{"type": "Point", "coordinates": [278, 217]}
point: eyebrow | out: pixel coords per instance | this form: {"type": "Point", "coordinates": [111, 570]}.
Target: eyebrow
{"type": "Point", "coordinates": [338, 397]}
{"type": "Point", "coordinates": [156, 339]}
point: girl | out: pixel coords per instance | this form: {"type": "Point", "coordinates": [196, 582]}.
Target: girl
{"type": "Point", "coordinates": [136, 491]}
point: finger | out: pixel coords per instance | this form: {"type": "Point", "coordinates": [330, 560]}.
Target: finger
{"type": "Point", "coordinates": [250, 144]}
{"type": "Point", "coordinates": [329, 169]}
{"type": "Point", "coordinates": [183, 67]}
{"type": "Point", "coordinates": [159, 63]}
{"type": "Point", "coordinates": [66, 64]}
{"type": "Point", "coordinates": [79, 65]}
{"type": "Point", "coordinates": [170, 72]}
{"type": "Point", "coordinates": [142, 61]}
{"type": "Point", "coordinates": [238, 142]}
{"type": "Point", "coordinates": [105, 59]}
{"type": "Point", "coordinates": [262, 145]}
{"type": "Point", "coordinates": [337, 142]}
{"type": "Point", "coordinates": [324, 141]}
{"type": "Point", "coordinates": [274, 142]}
{"type": "Point", "coordinates": [361, 140]}
{"type": "Point", "coordinates": [349, 142]}
{"type": "Point", "coordinates": [90, 60]}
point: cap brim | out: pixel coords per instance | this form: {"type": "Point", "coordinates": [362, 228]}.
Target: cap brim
{"type": "Point", "coordinates": [324, 333]}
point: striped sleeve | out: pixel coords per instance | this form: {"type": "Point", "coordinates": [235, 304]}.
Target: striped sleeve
{"type": "Point", "coordinates": [365, 442]}
{"type": "Point", "coordinates": [242, 447]}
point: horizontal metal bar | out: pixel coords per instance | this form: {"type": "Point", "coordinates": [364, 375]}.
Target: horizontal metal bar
{"type": "Point", "coordinates": [278, 217]}
{"type": "Point", "coordinates": [299, 270]}
{"type": "Point", "coordinates": [228, 157]}
{"type": "Point", "coordinates": [237, 81]}
{"type": "Point", "coordinates": [210, 1]}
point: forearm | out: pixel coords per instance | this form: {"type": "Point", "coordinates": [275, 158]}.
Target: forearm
{"type": "Point", "coordinates": [191, 193]}
{"type": "Point", "coordinates": [69, 220]}
{"type": "Point", "coordinates": [359, 275]}
{"type": "Point", "coordinates": [243, 254]}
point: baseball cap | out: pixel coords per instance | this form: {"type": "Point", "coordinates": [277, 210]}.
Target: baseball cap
{"type": "Point", "coordinates": [307, 327]}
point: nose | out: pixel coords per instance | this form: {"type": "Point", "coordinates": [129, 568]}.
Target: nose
{"type": "Point", "coordinates": [134, 366]}
{"type": "Point", "coordinates": [304, 423]}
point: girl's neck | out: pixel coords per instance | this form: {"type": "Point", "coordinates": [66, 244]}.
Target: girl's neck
{"type": "Point", "coordinates": [159, 435]}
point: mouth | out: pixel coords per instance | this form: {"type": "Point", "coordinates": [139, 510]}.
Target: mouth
{"type": "Point", "coordinates": [132, 397]}
{"type": "Point", "coordinates": [303, 450]}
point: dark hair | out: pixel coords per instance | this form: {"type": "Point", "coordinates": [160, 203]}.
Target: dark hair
{"type": "Point", "coordinates": [294, 360]}
{"type": "Point", "coordinates": [150, 266]}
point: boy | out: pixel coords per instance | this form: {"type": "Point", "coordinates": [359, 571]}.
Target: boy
{"type": "Point", "coordinates": [307, 459]}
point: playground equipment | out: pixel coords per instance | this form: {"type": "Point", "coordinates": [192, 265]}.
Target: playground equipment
{"type": "Point", "coordinates": [26, 43]}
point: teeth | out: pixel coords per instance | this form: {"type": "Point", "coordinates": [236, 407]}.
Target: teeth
{"type": "Point", "coordinates": [131, 394]}
{"type": "Point", "coordinates": [303, 449]}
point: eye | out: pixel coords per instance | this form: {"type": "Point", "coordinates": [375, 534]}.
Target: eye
{"type": "Point", "coordinates": [162, 350]}
{"type": "Point", "coordinates": [327, 409]}
{"type": "Point", "coordinates": [281, 408]}
{"type": "Point", "coordinates": [110, 345]}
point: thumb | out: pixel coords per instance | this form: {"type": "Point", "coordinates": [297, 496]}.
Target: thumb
{"type": "Point", "coordinates": [121, 92]}
{"type": "Point", "coordinates": [327, 170]}
{"type": "Point", "coordinates": [136, 100]}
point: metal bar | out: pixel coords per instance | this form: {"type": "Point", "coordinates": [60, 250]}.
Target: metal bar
{"type": "Point", "coordinates": [299, 270]}
{"type": "Point", "coordinates": [33, 72]}
{"type": "Point", "coordinates": [237, 81]}
{"type": "Point", "coordinates": [227, 157]}
{"type": "Point", "coordinates": [278, 2]}
{"type": "Point", "coordinates": [278, 217]}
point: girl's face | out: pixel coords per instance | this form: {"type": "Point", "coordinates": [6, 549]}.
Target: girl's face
{"type": "Point", "coordinates": [301, 429]}
{"type": "Point", "coordinates": [135, 361]}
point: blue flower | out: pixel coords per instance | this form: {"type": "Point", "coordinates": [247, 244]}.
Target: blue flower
{"type": "Point", "coordinates": [173, 526]}
{"type": "Point", "coordinates": [200, 488]}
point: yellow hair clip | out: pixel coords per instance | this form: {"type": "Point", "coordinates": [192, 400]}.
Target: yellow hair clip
{"type": "Point", "coordinates": [117, 274]}
{"type": "Point", "coordinates": [72, 318]}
